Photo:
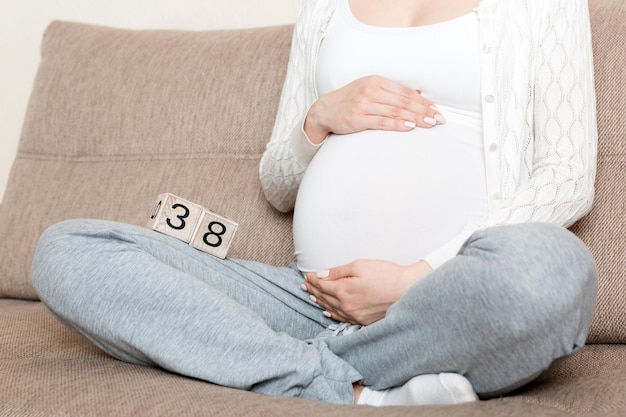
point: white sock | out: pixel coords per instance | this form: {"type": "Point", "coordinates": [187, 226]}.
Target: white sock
{"type": "Point", "coordinates": [429, 389]}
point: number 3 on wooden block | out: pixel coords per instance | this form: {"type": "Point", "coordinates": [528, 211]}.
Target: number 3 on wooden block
{"type": "Point", "coordinates": [175, 216]}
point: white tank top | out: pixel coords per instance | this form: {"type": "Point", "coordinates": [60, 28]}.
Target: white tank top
{"type": "Point", "coordinates": [395, 195]}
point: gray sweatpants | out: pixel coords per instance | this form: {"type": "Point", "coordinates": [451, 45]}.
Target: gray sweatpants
{"type": "Point", "coordinates": [514, 300]}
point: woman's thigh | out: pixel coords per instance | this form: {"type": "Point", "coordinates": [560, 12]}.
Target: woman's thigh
{"type": "Point", "coordinates": [101, 256]}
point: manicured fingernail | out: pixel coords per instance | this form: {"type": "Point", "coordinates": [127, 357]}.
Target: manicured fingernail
{"type": "Point", "coordinates": [325, 273]}
{"type": "Point", "coordinates": [303, 287]}
{"type": "Point", "coordinates": [410, 125]}
{"type": "Point", "coordinates": [312, 298]}
{"type": "Point", "coordinates": [438, 116]}
{"type": "Point", "coordinates": [327, 314]}
{"type": "Point", "coordinates": [430, 121]}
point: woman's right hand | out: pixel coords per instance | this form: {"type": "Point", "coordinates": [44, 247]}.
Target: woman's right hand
{"type": "Point", "coordinates": [371, 102]}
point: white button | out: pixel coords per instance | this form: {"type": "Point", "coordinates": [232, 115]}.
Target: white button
{"type": "Point", "coordinates": [490, 98]}
{"type": "Point", "coordinates": [493, 147]}
{"type": "Point", "coordinates": [496, 196]}
{"type": "Point", "coordinates": [487, 48]}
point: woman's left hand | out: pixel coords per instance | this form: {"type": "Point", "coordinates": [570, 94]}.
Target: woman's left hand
{"type": "Point", "coordinates": [361, 292]}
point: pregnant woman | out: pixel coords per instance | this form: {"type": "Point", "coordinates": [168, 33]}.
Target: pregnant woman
{"type": "Point", "coordinates": [433, 153]}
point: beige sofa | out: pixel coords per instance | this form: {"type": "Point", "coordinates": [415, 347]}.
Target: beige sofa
{"type": "Point", "coordinates": [117, 117]}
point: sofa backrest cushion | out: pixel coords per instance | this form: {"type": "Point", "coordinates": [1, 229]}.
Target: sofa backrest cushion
{"type": "Point", "coordinates": [117, 117]}
{"type": "Point", "coordinates": [604, 229]}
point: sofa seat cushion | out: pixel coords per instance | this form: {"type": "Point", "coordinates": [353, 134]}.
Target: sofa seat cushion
{"type": "Point", "coordinates": [45, 369]}
{"type": "Point", "coordinates": [592, 381]}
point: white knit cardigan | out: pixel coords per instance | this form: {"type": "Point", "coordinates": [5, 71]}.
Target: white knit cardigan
{"type": "Point", "coordinates": [539, 117]}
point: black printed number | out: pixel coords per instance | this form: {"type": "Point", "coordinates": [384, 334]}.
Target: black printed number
{"type": "Point", "coordinates": [213, 232]}
{"type": "Point", "coordinates": [180, 217]}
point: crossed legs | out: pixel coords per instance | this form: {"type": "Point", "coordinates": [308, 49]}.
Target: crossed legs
{"type": "Point", "coordinates": [514, 300]}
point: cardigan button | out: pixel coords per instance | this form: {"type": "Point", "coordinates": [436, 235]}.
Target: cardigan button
{"type": "Point", "coordinates": [490, 98]}
{"type": "Point", "coordinates": [496, 196]}
{"type": "Point", "coordinates": [487, 48]}
{"type": "Point", "coordinates": [493, 147]}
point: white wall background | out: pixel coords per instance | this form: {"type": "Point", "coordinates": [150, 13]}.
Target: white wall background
{"type": "Point", "coordinates": [22, 23]}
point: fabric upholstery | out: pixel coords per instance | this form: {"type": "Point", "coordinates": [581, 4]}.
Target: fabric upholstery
{"type": "Point", "coordinates": [604, 229]}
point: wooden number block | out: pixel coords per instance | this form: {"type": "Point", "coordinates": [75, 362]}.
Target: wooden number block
{"type": "Point", "coordinates": [193, 224]}
{"type": "Point", "coordinates": [214, 234]}
{"type": "Point", "coordinates": [175, 216]}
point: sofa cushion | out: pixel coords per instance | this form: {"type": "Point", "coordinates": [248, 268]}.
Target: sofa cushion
{"type": "Point", "coordinates": [604, 229]}
{"type": "Point", "coordinates": [592, 381]}
{"type": "Point", "coordinates": [117, 117]}
{"type": "Point", "coordinates": [45, 369]}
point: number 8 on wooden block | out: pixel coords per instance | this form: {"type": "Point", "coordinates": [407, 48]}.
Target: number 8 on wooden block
{"type": "Point", "coordinates": [214, 234]}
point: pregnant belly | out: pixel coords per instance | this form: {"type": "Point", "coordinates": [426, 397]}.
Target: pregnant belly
{"type": "Point", "coordinates": [387, 195]}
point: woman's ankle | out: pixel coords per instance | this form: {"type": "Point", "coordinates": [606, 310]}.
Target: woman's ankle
{"type": "Point", "coordinates": [358, 389]}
